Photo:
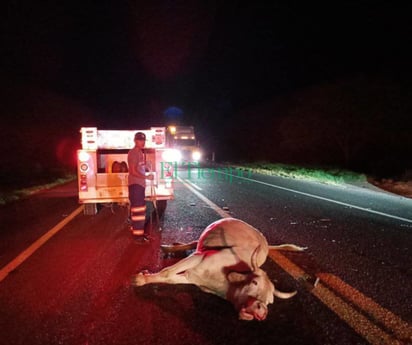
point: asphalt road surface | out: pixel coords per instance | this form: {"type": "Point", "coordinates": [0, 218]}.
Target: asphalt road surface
{"type": "Point", "coordinates": [65, 276]}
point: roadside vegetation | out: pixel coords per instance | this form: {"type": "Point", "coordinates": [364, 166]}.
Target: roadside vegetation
{"type": "Point", "coordinates": [7, 196]}
{"type": "Point", "coordinates": [323, 175]}
{"type": "Point", "coordinates": [401, 185]}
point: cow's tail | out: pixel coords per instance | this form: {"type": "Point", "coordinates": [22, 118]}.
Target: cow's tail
{"type": "Point", "coordinates": [178, 247]}
{"type": "Point", "coordinates": [288, 247]}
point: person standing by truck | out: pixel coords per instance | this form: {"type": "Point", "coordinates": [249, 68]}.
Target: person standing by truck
{"type": "Point", "coordinates": [137, 185]}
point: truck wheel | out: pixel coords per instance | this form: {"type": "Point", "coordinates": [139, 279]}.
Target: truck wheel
{"type": "Point", "coordinates": [161, 207]}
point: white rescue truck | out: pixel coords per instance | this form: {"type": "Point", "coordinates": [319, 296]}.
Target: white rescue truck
{"type": "Point", "coordinates": [103, 172]}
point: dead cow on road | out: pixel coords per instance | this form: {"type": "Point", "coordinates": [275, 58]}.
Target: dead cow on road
{"type": "Point", "coordinates": [226, 263]}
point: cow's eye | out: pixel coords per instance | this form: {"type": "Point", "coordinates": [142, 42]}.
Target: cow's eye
{"type": "Point", "coordinates": [254, 282]}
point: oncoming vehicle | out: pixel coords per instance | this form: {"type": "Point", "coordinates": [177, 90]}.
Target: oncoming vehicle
{"type": "Point", "coordinates": [183, 139]}
{"type": "Point", "coordinates": [103, 172]}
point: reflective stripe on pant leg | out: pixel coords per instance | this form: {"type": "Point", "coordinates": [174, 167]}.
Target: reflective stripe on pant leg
{"type": "Point", "coordinates": [137, 208]}
{"type": "Point", "coordinates": [138, 214]}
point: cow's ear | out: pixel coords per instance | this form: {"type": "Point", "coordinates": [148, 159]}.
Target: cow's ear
{"type": "Point", "coordinates": [236, 277]}
{"type": "Point", "coordinates": [253, 259]}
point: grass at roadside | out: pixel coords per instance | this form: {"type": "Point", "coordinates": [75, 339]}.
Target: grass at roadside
{"type": "Point", "coordinates": [324, 175]}
{"type": "Point", "coordinates": [13, 195]}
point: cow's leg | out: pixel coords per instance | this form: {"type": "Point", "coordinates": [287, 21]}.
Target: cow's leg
{"type": "Point", "coordinates": [174, 274]}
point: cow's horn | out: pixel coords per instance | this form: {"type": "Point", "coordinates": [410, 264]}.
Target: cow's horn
{"type": "Point", "coordinates": [284, 295]}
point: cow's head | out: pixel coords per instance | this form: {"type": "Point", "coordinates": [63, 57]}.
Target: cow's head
{"type": "Point", "coordinates": [252, 291]}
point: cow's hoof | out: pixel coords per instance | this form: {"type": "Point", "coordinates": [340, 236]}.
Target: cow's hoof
{"type": "Point", "coordinates": [139, 279]}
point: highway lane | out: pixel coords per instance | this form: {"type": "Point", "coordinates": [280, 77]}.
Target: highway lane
{"type": "Point", "coordinates": [75, 288]}
{"type": "Point", "coordinates": [26, 220]}
{"type": "Point", "coordinates": [371, 251]}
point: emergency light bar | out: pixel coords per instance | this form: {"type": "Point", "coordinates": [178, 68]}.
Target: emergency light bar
{"type": "Point", "coordinates": [93, 139]}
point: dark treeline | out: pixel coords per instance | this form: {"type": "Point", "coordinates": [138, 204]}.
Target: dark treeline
{"type": "Point", "coordinates": [355, 124]}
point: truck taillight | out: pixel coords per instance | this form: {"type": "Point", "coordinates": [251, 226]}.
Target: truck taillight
{"type": "Point", "coordinates": [84, 166]}
{"type": "Point", "coordinates": [83, 183]}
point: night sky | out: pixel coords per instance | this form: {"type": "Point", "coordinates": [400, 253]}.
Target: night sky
{"type": "Point", "coordinates": [248, 75]}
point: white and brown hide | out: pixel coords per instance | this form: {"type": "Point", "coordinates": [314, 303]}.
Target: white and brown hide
{"type": "Point", "coordinates": [227, 263]}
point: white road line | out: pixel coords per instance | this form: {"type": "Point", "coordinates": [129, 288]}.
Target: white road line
{"type": "Point", "coordinates": [324, 199]}
{"type": "Point", "coordinates": [216, 208]}
{"type": "Point", "coordinates": [12, 265]}
{"type": "Point", "coordinates": [193, 185]}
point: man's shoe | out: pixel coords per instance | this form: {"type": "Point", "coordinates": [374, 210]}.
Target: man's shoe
{"type": "Point", "coordinates": [142, 239]}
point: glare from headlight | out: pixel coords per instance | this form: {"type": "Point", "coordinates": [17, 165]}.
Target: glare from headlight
{"type": "Point", "coordinates": [196, 155]}
{"type": "Point", "coordinates": [172, 156]}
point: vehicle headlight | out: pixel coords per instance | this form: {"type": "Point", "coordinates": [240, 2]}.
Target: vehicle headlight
{"type": "Point", "coordinates": [196, 155]}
